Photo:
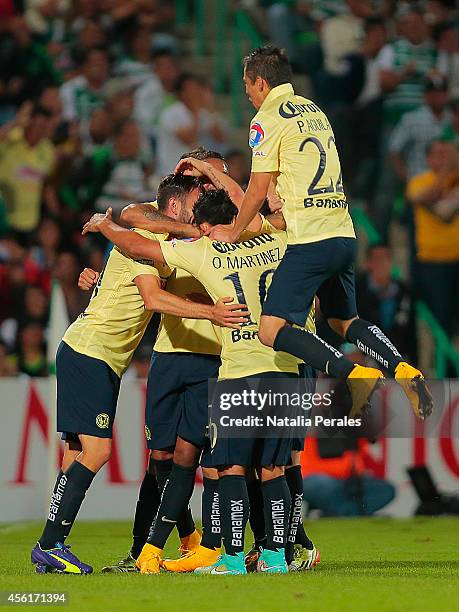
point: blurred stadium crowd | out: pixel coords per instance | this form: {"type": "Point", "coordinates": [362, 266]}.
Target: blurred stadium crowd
{"type": "Point", "coordinates": [97, 104]}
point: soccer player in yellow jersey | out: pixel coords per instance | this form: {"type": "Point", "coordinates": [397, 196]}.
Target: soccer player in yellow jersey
{"type": "Point", "coordinates": [293, 143]}
{"type": "Point", "coordinates": [92, 357]}
{"type": "Point", "coordinates": [186, 355]}
{"type": "Point", "coordinates": [243, 270]}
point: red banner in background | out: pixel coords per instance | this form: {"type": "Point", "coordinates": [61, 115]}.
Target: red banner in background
{"type": "Point", "coordinates": [24, 454]}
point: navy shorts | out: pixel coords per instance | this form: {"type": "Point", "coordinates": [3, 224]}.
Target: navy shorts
{"type": "Point", "coordinates": [87, 394]}
{"type": "Point", "coordinates": [325, 269]}
{"type": "Point", "coordinates": [251, 452]}
{"type": "Point", "coordinates": [309, 375]}
{"type": "Point", "coordinates": [177, 398]}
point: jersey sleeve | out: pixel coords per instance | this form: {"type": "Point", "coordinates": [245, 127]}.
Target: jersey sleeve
{"type": "Point", "coordinates": [187, 254]}
{"type": "Point", "coordinates": [145, 266]}
{"type": "Point", "coordinates": [264, 140]}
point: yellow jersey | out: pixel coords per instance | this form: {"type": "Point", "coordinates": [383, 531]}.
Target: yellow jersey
{"type": "Point", "coordinates": [115, 319]}
{"type": "Point", "coordinates": [186, 335]}
{"type": "Point", "coordinates": [291, 137]}
{"type": "Point", "coordinates": [244, 271]}
{"type": "Point", "coordinates": [436, 240]}
{"type": "Point", "coordinates": [23, 170]}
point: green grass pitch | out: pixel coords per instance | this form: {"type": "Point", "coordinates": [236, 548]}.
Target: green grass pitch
{"type": "Point", "coordinates": [367, 564]}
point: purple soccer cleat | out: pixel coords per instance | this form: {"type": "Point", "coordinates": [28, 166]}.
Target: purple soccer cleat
{"type": "Point", "coordinates": [58, 559]}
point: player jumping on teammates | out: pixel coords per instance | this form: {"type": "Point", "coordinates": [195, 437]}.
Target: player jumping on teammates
{"type": "Point", "coordinates": [293, 143]}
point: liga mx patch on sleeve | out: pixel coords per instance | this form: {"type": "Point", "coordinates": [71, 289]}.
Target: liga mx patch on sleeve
{"type": "Point", "coordinates": [256, 134]}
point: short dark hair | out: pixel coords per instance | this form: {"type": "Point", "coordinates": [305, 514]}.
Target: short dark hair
{"type": "Point", "coordinates": [183, 78]}
{"type": "Point", "coordinates": [38, 110]}
{"type": "Point", "coordinates": [202, 154]}
{"type": "Point", "coordinates": [214, 207]}
{"type": "Point", "coordinates": [98, 49]}
{"type": "Point", "coordinates": [163, 52]}
{"type": "Point", "coordinates": [374, 22]}
{"type": "Point", "coordinates": [175, 185]}
{"type": "Point", "coordinates": [270, 63]}
{"type": "Point", "coordinates": [377, 245]}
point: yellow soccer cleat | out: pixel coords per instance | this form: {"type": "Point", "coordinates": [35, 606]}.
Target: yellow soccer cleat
{"type": "Point", "coordinates": [414, 384]}
{"type": "Point", "coordinates": [190, 543]}
{"type": "Point", "coordinates": [200, 557]}
{"type": "Point", "coordinates": [149, 560]}
{"type": "Point", "coordinates": [362, 383]}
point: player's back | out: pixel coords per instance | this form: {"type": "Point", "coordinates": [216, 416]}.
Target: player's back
{"type": "Point", "coordinates": [177, 334]}
{"type": "Point", "coordinates": [292, 136]}
{"type": "Point", "coordinates": [112, 325]}
{"type": "Point", "coordinates": [242, 271]}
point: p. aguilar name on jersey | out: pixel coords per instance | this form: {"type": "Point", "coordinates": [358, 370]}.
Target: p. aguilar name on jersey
{"type": "Point", "coordinates": [292, 138]}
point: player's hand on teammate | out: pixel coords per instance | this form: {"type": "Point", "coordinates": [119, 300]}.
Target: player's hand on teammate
{"type": "Point", "coordinates": [191, 167]}
{"type": "Point", "coordinates": [223, 233]}
{"type": "Point", "coordinates": [87, 279]}
{"type": "Point", "coordinates": [94, 222]}
{"type": "Point", "coordinates": [226, 314]}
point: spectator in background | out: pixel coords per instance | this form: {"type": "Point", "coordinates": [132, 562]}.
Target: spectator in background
{"type": "Point", "coordinates": [156, 93]}
{"type": "Point", "coordinates": [25, 67]}
{"type": "Point", "coordinates": [446, 37]}
{"type": "Point", "coordinates": [416, 129]}
{"type": "Point", "coordinates": [238, 167]}
{"type": "Point", "coordinates": [439, 11]}
{"type": "Point", "coordinates": [187, 123]}
{"type": "Point", "coordinates": [354, 107]}
{"type": "Point", "coordinates": [404, 65]}
{"type": "Point", "coordinates": [7, 363]}
{"type": "Point", "coordinates": [48, 242]}
{"type": "Point", "coordinates": [434, 195]}
{"type": "Point", "coordinates": [386, 300]}
{"type": "Point", "coordinates": [84, 93]}
{"type": "Point", "coordinates": [95, 132]}
{"type": "Point", "coordinates": [452, 132]}
{"type": "Point", "coordinates": [120, 106]}
{"type": "Point", "coordinates": [35, 306]}
{"type": "Point", "coordinates": [287, 20]}
{"type": "Point", "coordinates": [336, 480]}
{"type": "Point", "coordinates": [128, 179]}
{"type": "Point", "coordinates": [342, 34]}
{"type": "Point", "coordinates": [31, 350]}
{"type": "Point", "coordinates": [135, 67]}
{"type": "Point", "coordinates": [26, 161]}
{"type": "Point", "coordinates": [67, 271]}
{"type": "Point", "coordinates": [91, 35]}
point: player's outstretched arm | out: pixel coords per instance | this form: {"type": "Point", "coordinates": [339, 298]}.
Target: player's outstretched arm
{"type": "Point", "coordinates": [223, 313]}
{"type": "Point", "coordinates": [147, 217]}
{"type": "Point", "coordinates": [251, 204]}
{"type": "Point", "coordinates": [131, 243]}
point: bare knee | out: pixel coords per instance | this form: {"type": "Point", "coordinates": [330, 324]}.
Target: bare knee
{"type": "Point", "coordinates": [340, 326]}
{"type": "Point", "coordinates": [162, 455]}
{"type": "Point", "coordinates": [270, 472]}
{"type": "Point", "coordinates": [269, 328]}
{"type": "Point", "coordinates": [231, 470]}
{"type": "Point", "coordinates": [210, 473]}
{"type": "Point", "coordinates": [96, 452]}
{"type": "Point", "coordinates": [71, 452]}
{"type": "Point", "coordinates": [296, 458]}
{"type": "Point", "coordinates": [186, 454]}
